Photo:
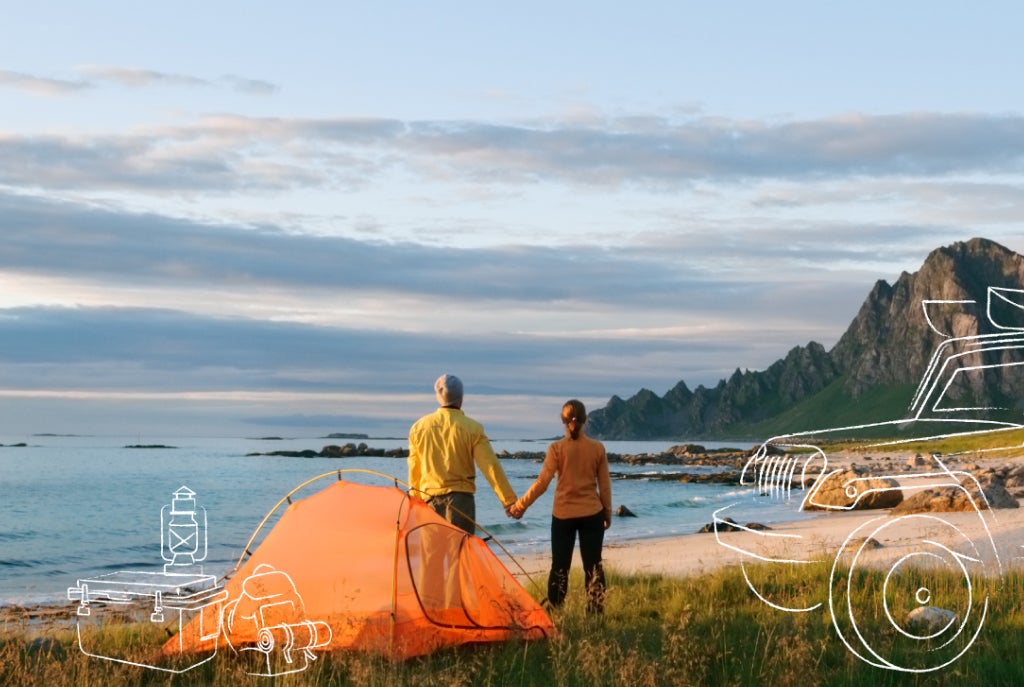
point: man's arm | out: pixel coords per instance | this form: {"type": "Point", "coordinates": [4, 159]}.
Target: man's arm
{"type": "Point", "coordinates": [489, 465]}
{"type": "Point", "coordinates": [415, 468]}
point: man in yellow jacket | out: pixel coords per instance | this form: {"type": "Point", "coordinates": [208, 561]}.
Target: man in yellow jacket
{"type": "Point", "coordinates": [445, 448]}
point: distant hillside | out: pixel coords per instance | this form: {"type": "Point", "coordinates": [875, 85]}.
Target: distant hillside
{"type": "Point", "coordinates": [870, 374]}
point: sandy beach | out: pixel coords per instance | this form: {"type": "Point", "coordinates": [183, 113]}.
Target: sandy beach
{"type": "Point", "coordinates": [996, 536]}
{"type": "Point", "coordinates": [698, 553]}
{"type": "Point", "coordinates": [821, 536]}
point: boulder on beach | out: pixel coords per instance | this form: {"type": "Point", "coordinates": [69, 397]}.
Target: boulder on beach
{"type": "Point", "coordinates": [848, 489]}
{"type": "Point", "coordinates": [687, 449]}
{"type": "Point", "coordinates": [730, 525]}
{"type": "Point", "coordinates": [1013, 478]}
{"type": "Point", "coordinates": [917, 461]}
{"type": "Point", "coordinates": [862, 543]}
{"type": "Point", "coordinates": [988, 492]}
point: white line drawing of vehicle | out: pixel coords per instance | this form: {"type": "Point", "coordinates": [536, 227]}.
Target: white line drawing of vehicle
{"type": "Point", "coordinates": [794, 468]}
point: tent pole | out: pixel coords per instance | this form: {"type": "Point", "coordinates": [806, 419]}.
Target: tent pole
{"type": "Point", "coordinates": [394, 570]}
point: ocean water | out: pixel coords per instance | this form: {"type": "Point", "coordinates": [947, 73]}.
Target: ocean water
{"type": "Point", "coordinates": [78, 506]}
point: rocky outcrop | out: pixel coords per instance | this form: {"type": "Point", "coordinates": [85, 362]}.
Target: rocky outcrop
{"type": "Point", "coordinates": [886, 347]}
{"type": "Point", "coordinates": [890, 341]}
{"type": "Point", "coordinates": [840, 491]}
{"type": "Point", "coordinates": [728, 459]}
{"type": "Point", "coordinates": [1013, 479]}
{"type": "Point", "coordinates": [682, 455]}
{"type": "Point", "coordinates": [935, 500]}
{"type": "Point", "coordinates": [968, 497]}
{"type": "Point", "coordinates": [993, 486]}
{"type": "Point", "coordinates": [730, 525]}
{"type": "Point", "coordinates": [335, 451]}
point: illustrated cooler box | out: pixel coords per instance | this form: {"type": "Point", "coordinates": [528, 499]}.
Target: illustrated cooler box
{"type": "Point", "coordinates": [159, 604]}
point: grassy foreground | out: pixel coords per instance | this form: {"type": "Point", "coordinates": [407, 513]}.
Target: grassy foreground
{"type": "Point", "coordinates": [703, 630]}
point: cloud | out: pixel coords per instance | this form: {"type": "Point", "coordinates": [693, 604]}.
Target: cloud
{"type": "Point", "coordinates": [715, 148]}
{"type": "Point", "coordinates": [686, 291]}
{"type": "Point", "coordinates": [257, 308]}
{"type": "Point", "coordinates": [139, 78]}
{"type": "Point", "coordinates": [138, 350]}
{"type": "Point", "coordinates": [136, 78]}
{"type": "Point", "coordinates": [229, 153]}
{"type": "Point", "coordinates": [39, 85]}
{"type": "Point", "coordinates": [95, 76]}
{"type": "Point", "coordinates": [789, 284]}
{"type": "Point", "coordinates": [72, 240]}
{"type": "Point", "coordinates": [251, 86]}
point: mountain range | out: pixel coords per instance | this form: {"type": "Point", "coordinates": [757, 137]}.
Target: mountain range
{"type": "Point", "coordinates": [870, 375]}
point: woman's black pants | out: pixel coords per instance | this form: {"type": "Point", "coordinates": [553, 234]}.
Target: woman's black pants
{"type": "Point", "coordinates": [563, 539]}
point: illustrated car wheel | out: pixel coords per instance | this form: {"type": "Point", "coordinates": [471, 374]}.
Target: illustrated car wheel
{"type": "Point", "coordinates": [870, 600]}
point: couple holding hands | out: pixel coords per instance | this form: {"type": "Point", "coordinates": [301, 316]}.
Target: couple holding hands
{"type": "Point", "coordinates": [446, 446]}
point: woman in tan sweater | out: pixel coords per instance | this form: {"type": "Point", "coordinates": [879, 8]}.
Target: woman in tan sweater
{"type": "Point", "coordinates": [582, 506]}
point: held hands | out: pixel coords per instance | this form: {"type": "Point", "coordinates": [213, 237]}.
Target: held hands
{"type": "Point", "coordinates": [514, 511]}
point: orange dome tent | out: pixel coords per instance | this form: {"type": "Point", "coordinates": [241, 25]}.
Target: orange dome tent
{"type": "Point", "coordinates": [364, 568]}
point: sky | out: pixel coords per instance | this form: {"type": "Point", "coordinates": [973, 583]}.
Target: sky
{"type": "Point", "coordinates": [253, 219]}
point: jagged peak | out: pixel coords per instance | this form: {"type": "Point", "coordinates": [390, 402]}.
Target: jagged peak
{"type": "Point", "coordinates": [799, 351]}
{"type": "Point", "coordinates": [644, 394]}
{"type": "Point", "coordinates": [974, 246]}
{"type": "Point", "coordinates": [882, 287]}
{"type": "Point", "coordinates": [680, 388]}
{"type": "Point", "coordinates": [816, 347]}
{"type": "Point", "coordinates": [966, 252]}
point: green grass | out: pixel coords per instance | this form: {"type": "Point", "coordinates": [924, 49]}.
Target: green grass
{"type": "Point", "coordinates": [833, 407]}
{"type": "Point", "coordinates": [703, 630]}
{"type": "Point", "coordinates": [980, 445]}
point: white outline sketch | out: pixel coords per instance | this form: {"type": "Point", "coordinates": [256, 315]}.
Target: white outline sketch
{"type": "Point", "coordinates": [184, 592]}
{"type": "Point", "coordinates": [183, 538]}
{"type": "Point", "coordinates": [778, 476]}
{"type": "Point", "coordinates": [271, 605]}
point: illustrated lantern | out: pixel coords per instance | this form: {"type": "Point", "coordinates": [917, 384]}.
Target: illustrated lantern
{"type": "Point", "coordinates": [183, 533]}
